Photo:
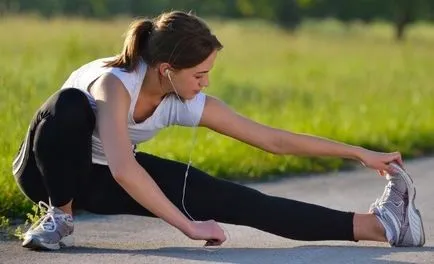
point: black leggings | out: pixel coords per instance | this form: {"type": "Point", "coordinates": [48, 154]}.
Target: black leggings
{"type": "Point", "coordinates": [55, 161]}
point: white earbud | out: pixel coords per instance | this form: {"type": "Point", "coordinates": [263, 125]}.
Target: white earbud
{"type": "Point", "coordinates": [167, 74]}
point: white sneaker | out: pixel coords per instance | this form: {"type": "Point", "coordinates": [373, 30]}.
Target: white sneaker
{"type": "Point", "coordinates": [51, 232]}
{"type": "Point", "coordinates": [396, 210]}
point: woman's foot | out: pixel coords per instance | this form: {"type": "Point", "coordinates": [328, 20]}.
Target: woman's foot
{"type": "Point", "coordinates": [51, 232]}
{"type": "Point", "coordinates": [396, 210]}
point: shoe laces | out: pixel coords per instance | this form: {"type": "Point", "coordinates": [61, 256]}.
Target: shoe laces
{"type": "Point", "coordinates": [44, 222]}
{"type": "Point", "coordinates": [386, 196]}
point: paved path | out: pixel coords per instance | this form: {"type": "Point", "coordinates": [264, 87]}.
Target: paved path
{"type": "Point", "coordinates": [130, 239]}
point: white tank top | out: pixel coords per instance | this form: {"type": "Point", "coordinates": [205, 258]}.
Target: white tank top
{"type": "Point", "coordinates": [169, 112]}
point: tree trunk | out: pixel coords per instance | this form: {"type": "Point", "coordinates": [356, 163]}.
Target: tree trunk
{"type": "Point", "coordinates": [404, 12]}
{"type": "Point", "coordinates": [399, 29]}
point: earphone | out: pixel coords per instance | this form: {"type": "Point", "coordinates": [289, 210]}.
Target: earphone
{"type": "Point", "coordinates": [193, 143]}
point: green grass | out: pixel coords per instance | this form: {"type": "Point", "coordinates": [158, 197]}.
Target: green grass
{"type": "Point", "coordinates": [349, 83]}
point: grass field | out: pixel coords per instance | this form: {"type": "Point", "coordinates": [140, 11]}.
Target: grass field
{"type": "Point", "coordinates": [349, 83]}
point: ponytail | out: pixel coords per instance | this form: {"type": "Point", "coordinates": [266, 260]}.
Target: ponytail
{"type": "Point", "coordinates": [135, 45]}
{"type": "Point", "coordinates": [181, 39]}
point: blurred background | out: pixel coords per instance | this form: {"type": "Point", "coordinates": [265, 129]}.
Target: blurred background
{"type": "Point", "coordinates": [358, 71]}
{"type": "Point", "coordinates": [287, 13]}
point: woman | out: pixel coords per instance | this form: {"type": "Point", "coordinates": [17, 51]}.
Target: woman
{"type": "Point", "coordinates": [80, 152]}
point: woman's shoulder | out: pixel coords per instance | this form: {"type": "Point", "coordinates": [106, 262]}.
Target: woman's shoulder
{"type": "Point", "coordinates": [131, 80]}
{"type": "Point", "coordinates": [135, 75]}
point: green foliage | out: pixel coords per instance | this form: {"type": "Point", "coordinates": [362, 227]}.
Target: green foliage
{"type": "Point", "coordinates": [5, 229]}
{"type": "Point", "coordinates": [32, 219]}
{"type": "Point", "coordinates": [9, 231]}
{"type": "Point", "coordinates": [17, 231]}
{"type": "Point", "coordinates": [4, 222]}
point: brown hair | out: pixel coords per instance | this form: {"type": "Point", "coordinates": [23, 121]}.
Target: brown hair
{"type": "Point", "coordinates": [181, 39]}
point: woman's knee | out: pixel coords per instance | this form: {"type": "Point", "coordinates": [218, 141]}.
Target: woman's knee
{"type": "Point", "coordinates": [63, 120]}
{"type": "Point", "coordinates": [71, 105]}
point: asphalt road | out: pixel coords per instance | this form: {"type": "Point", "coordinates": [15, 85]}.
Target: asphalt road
{"type": "Point", "coordinates": [132, 239]}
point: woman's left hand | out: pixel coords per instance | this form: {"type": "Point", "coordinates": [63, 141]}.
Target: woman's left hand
{"type": "Point", "coordinates": [379, 160]}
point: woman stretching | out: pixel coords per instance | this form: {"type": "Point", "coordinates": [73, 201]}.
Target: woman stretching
{"type": "Point", "coordinates": [80, 151]}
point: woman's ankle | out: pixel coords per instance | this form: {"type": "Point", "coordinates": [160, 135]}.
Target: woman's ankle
{"type": "Point", "coordinates": [368, 227]}
{"type": "Point", "coordinates": [67, 208]}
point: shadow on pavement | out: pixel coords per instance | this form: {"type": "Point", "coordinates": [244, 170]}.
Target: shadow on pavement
{"type": "Point", "coordinates": [305, 254]}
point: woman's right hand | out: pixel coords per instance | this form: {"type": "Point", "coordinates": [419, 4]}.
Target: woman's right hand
{"type": "Point", "coordinates": [209, 231]}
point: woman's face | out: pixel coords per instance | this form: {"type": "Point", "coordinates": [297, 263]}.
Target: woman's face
{"type": "Point", "coordinates": [187, 83]}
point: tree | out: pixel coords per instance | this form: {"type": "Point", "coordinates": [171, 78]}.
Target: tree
{"type": "Point", "coordinates": [404, 14]}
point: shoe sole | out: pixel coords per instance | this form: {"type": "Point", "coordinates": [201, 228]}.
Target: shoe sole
{"type": "Point", "coordinates": [36, 244]}
{"type": "Point", "coordinates": [414, 216]}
